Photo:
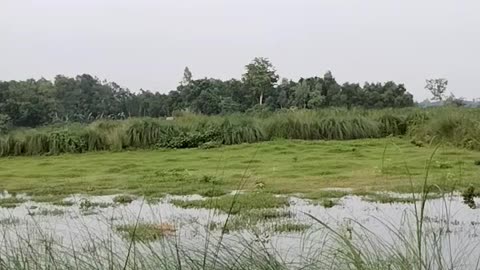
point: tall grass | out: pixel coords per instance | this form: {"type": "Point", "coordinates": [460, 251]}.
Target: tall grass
{"type": "Point", "coordinates": [456, 126]}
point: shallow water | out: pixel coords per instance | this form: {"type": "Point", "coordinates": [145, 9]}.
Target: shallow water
{"type": "Point", "coordinates": [449, 218]}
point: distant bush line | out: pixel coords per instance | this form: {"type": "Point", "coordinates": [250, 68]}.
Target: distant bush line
{"type": "Point", "coordinates": [455, 126]}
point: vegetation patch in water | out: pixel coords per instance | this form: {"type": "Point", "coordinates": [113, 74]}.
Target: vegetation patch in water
{"type": "Point", "coordinates": [63, 203]}
{"type": "Point", "coordinates": [251, 219]}
{"type": "Point", "coordinates": [87, 205]}
{"type": "Point", "coordinates": [235, 204]}
{"type": "Point", "coordinates": [11, 202]}
{"type": "Point", "coordinates": [328, 203]}
{"type": "Point", "coordinates": [290, 227]}
{"type": "Point", "coordinates": [48, 212]}
{"type": "Point", "coordinates": [123, 199]}
{"type": "Point", "coordinates": [9, 221]}
{"type": "Point", "coordinates": [145, 232]}
{"type": "Point", "coordinates": [385, 198]}
{"type": "Point", "coordinates": [468, 197]}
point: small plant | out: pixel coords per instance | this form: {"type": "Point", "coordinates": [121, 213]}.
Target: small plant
{"type": "Point", "coordinates": [328, 203]}
{"type": "Point", "coordinates": [477, 162]}
{"type": "Point", "coordinates": [443, 164]}
{"type": "Point", "coordinates": [209, 179]}
{"type": "Point", "coordinates": [259, 185]}
{"type": "Point", "coordinates": [468, 197]}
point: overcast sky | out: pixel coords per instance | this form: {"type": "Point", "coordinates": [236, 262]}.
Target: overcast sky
{"type": "Point", "coordinates": [147, 44]}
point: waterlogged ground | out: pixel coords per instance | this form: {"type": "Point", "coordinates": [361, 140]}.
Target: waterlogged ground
{"type": "Point", "coordinates": [289, 231]}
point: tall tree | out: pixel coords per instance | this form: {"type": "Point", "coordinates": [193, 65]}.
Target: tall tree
{"type": "Point", "coordinates": [437, 87]}
{"type": "Point", "coordinates": [260, 78]}
{"type": "Point", "coordinates": [187, 76]}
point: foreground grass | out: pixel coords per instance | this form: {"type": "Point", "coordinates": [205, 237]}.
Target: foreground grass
{"type": "Point", "coordinates": [277, 167]}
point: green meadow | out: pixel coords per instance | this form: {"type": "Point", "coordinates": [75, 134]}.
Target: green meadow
{"type": "Point", "coordinates": [279, 166]}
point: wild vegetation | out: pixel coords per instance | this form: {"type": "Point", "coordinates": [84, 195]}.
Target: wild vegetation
{"type": "Point", "coordinates": [455, 126]}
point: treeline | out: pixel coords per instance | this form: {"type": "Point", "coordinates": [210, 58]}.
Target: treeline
{"type": "Point", "coordinates": [32, 103]}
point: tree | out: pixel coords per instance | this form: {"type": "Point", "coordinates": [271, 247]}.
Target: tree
{"type": "Point", "coordinates": [260, 78]}
{"type": "Point", "coordinates": [454, 101]}
{"type": "Point", "coordinates": [302, 91]}
{"type": "Point", "coordinates": [187, 76]}
{"type": "Point", "coordinates": [437, 87]}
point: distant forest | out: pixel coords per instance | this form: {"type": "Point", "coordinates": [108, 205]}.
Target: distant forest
{"type": "Point", "coordinates": [85, 98]}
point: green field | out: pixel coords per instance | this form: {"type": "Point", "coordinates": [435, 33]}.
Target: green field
{"type": "Point", "coordinates": [281, 166]}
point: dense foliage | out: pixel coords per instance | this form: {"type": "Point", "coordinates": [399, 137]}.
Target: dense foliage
{"type": "Point", "coordinates": [84, 98]}
{"type": "Point", "coordinates": [456, 126]}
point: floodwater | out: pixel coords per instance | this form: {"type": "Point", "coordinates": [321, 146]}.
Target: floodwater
{"type": "Point", "coordinates": [448, 219]}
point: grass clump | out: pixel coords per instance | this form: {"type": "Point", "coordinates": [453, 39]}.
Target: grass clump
{"type": "Point", "coordinates": [123, 199]}
{"type": "Point", "coordinates": [468, 197]}
{"type": "Point", "coordinates": [63, 203]}
{"type": "Point", "coordinates": [11, 202]}
{"type": "Point", "coordinates": [9, 221]}
{"type": "Point", "coordinates": [87, 205]}
{"type": "Point", "coordinates": [290, 227]}
{"type": "Point", "coordinates": [213, 192]}
{"type": "Point", "coordinates": [235, 204]}
{"type": "Point", "coordinates": [328, 203]}
{"type": "Point", "coordinates": [145, 232]}
{"type": "Point", "coordinates": [385, 198]}
{"type": "Point", "coordinates": [251, 219]}
{"type": "Point", "coordinates": [48, 212]}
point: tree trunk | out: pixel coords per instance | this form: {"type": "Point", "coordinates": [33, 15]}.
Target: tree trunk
{"type": "Point", "coordinates": [261, 98]}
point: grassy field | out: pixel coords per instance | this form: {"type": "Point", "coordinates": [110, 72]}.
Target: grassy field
{"type": "Point", "coordinates": [282, 166]}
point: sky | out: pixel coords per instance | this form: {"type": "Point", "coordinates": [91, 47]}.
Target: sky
{"type": "Point", "coordinates": [147, 44]}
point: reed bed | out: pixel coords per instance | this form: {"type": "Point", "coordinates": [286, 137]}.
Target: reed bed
{"type": "Point", "coordinates": [456, 126]}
